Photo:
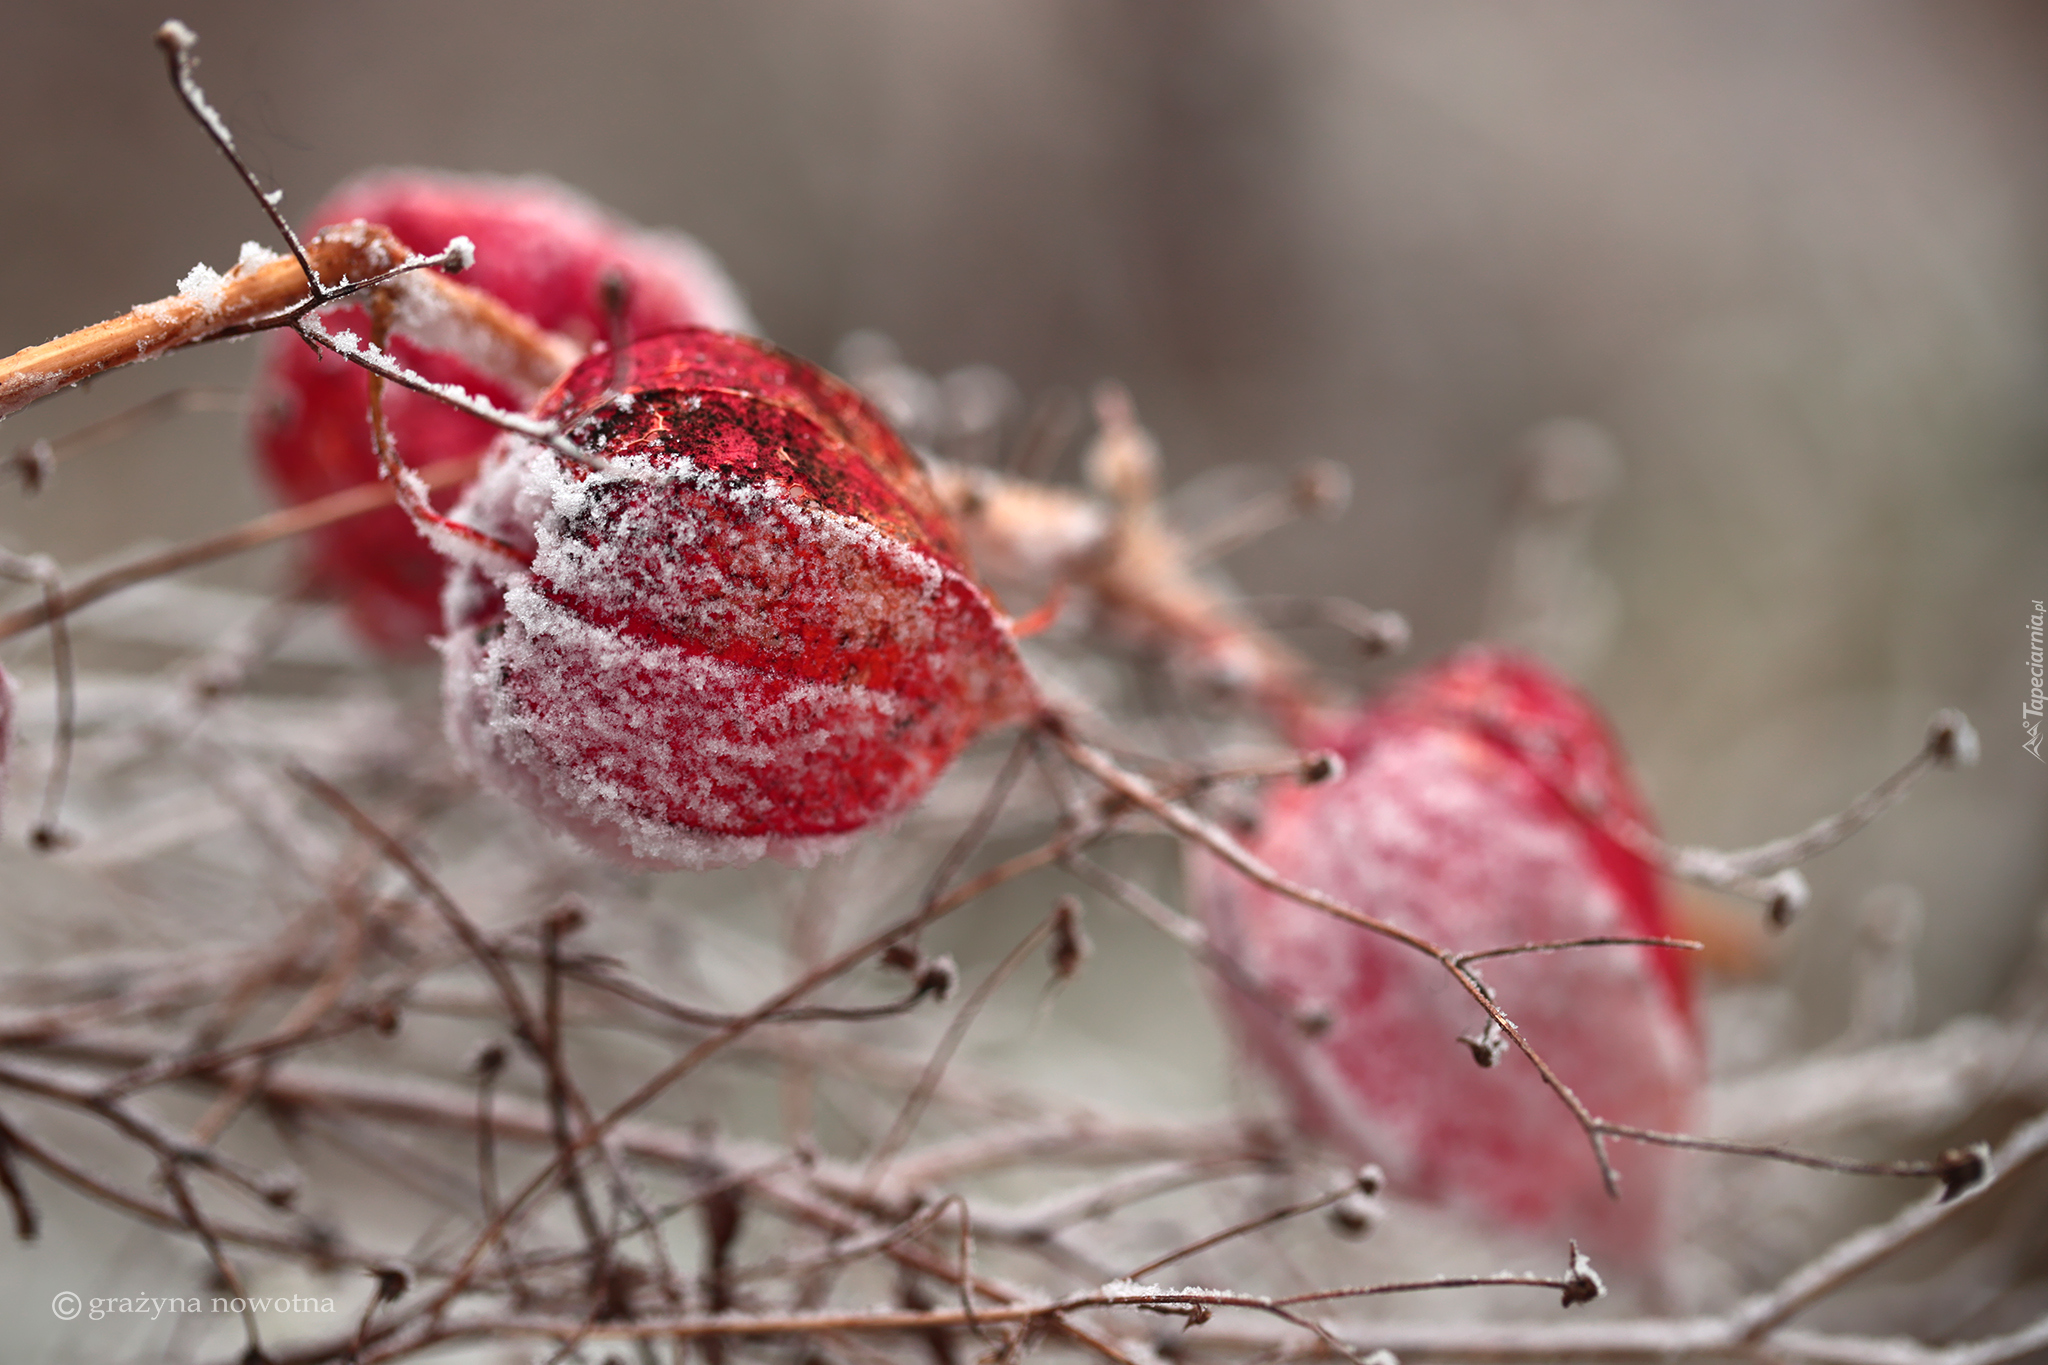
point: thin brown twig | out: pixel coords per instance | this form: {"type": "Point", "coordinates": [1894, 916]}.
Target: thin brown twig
{"type": "Point", "coordinates": [1757, 1317]}
{"type": "Point", "coordinates": [1956, 1169]}
{"type": "Point", "coordinates": [27, 1224]}
{"type": "Point", "coordinates": [176, 42]}
{"type": "Point", "coordinates": [556, 1074]}
{"type": "Point", "coordinates": [1188, 824]}
{"type": "Point", "coordinates": [188, 1209]}
{"type": "Point", "coordinates": [258, 531]}
{"type": "Point", "coordinates": [949, 1042]}
{"type": "Point", "coordinates": [1191, 935]}
{"type": "Point", "coordinates": [1767, 872]}
{"type": "Point", "coordinates": [531, 1033]}
{"type": "Point", "coordinates": [1249, 1225]}
{"type": "Point", "coordinates": [689, 1061]}
{"type": "Point", "coordinates": [246, 294]}
{"type": "Point", "coordinates": [885, 1320]}
{"type": "Point", "coordinates": [36, 462]}
{"type": "Point", "coordinates": [379, 362]}
{"type": "Point", "coordinates": [1591, 941]}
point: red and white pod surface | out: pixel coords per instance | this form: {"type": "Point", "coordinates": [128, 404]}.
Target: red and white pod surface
{"type": "Point", "coordinates": [753, 632]}
{"type": "Point", "coordinates": [1483, 804]}
{"type": "Point", "coordinates": [543, 250]}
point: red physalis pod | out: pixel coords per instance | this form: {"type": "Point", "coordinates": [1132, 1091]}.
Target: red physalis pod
{"type": "Point", "coordinates": [1482, 804]}
{"type": "Point", "coordinates": [753, 631]}
{"type": "Point", "coordinates": [541, 249]}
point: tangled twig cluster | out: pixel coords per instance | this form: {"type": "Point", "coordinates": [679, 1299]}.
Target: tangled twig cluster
{"type": "Point", "coordinates": [550, 1111]}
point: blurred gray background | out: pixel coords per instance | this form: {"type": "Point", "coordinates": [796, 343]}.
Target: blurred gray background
{"type": "Point", "coordinates": [1788, 256]}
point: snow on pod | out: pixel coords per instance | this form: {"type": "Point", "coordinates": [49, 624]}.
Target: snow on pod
{"type": "Point", "coordinates": [1482, 804]}
{"type": "Point", "coordinates": [753, 632]}
{"type": "Point", "coordinates": [542, 249]}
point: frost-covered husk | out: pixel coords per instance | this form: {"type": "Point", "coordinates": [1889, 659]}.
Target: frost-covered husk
{"type": "Point", "coordinates": [540, 248]}
{"type": "Point", "coordinates": [1482, 806]}
{"type": "Point", "coordinates": [750, 635]}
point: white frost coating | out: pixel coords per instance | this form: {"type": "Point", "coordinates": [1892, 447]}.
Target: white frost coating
{"type": "Point", "coordinates": [255, 254]}
{"type": "Point", "coordinates": [204, 283]}
{"type": "Point", "coordinates": [1395, 838]}
{"type": "Point", "coordinates": [378, 361]}
{"type": "Point", "coordinates": [426, 315]}
{"type": "Point", "coordinates": [1134, 1291]}
{"type": "Point", "coordinates": [611, 701]}
{"type": "Point", "coordinates": [1582, 1269]}
{"type": "Point", "coordinates": [460, 254]}
{"type": "Point", "coordinates": [594, 730]}
{"type": "Point", "coordinates": [182, 40]}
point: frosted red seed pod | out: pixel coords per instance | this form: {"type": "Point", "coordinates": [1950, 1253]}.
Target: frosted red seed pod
{"type": "Point", "coordinates": [543, 250]}
{"type": "Point", "coordinates": [1482, 804]}
{"type": "Point", "coordinates": [753, 632]}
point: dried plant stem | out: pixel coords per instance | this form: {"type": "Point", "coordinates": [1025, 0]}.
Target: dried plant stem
{"type": "Point", "coordinates": [1236, 1230]}
{"type": "Point", "coordinates": [949, 1043]}
{"type": "Point", "coordinates": [1190, 934]}
{"type": "Point", "coordinates": [48, 832]}
{"type": "Point", "coordinates": [1140, 575]}
{"type": "Point", "coordinates": [1757, 1321]}
{"type": "Point", "coordinates": [384, 365]}
{"type": "Point", "coordinates": [1189, 825]}
{"type": "Point", "coordinates": [258, 531]}
{"type": "Point", "coordinates": [1757, 1317]}
{"type": "Point", "coordinates": [347, 258]}
{"type": "Point", "coordinates": [1767, 872]}
{"type": "Point", "coordinates": [1957, 1169]}
{"type": "Point", "coordinates": [1195, 1305]}
{"type": "Point", "coordinates": [650, 1089]}
{"type": "Point", "coordinates": [37, 461]}
{"type": "Point", "coordinates": [176, 42]}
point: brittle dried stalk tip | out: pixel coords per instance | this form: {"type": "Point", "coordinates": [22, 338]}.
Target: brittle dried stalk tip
{"type": "Point", "coordinates": [1321, 766]}
{"type": "Point", "coordinates": [1963, 1169]}
{"type": "Point", "coordinates": [1582, 1284]}
{"type": "Point", "coordinates": [1952, 740]}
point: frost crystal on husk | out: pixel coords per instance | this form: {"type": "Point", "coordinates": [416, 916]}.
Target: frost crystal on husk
{"type": "Point", "coordinates": [1483, 805]}
{"type": "Point", "coordinates": [541, 249]}
{"type": "Point", "coordinates": [752, 633]}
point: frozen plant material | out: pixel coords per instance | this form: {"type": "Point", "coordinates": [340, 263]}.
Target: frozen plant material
{"type": "Point", "coordinates": [753, 632]}
{"type": "Point", "coordinates": [536, 246]}
{"type": "Point", "coordinates": [204, 283]}
{"type": "Point", "coordinates": [1483, 805]}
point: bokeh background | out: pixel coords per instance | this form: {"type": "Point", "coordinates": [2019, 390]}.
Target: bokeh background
{"type": "Point", "coordinates": [1789, 258]}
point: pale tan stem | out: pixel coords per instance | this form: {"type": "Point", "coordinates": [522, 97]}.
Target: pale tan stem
{"type": "Point", "coordinates": [510, 346]}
